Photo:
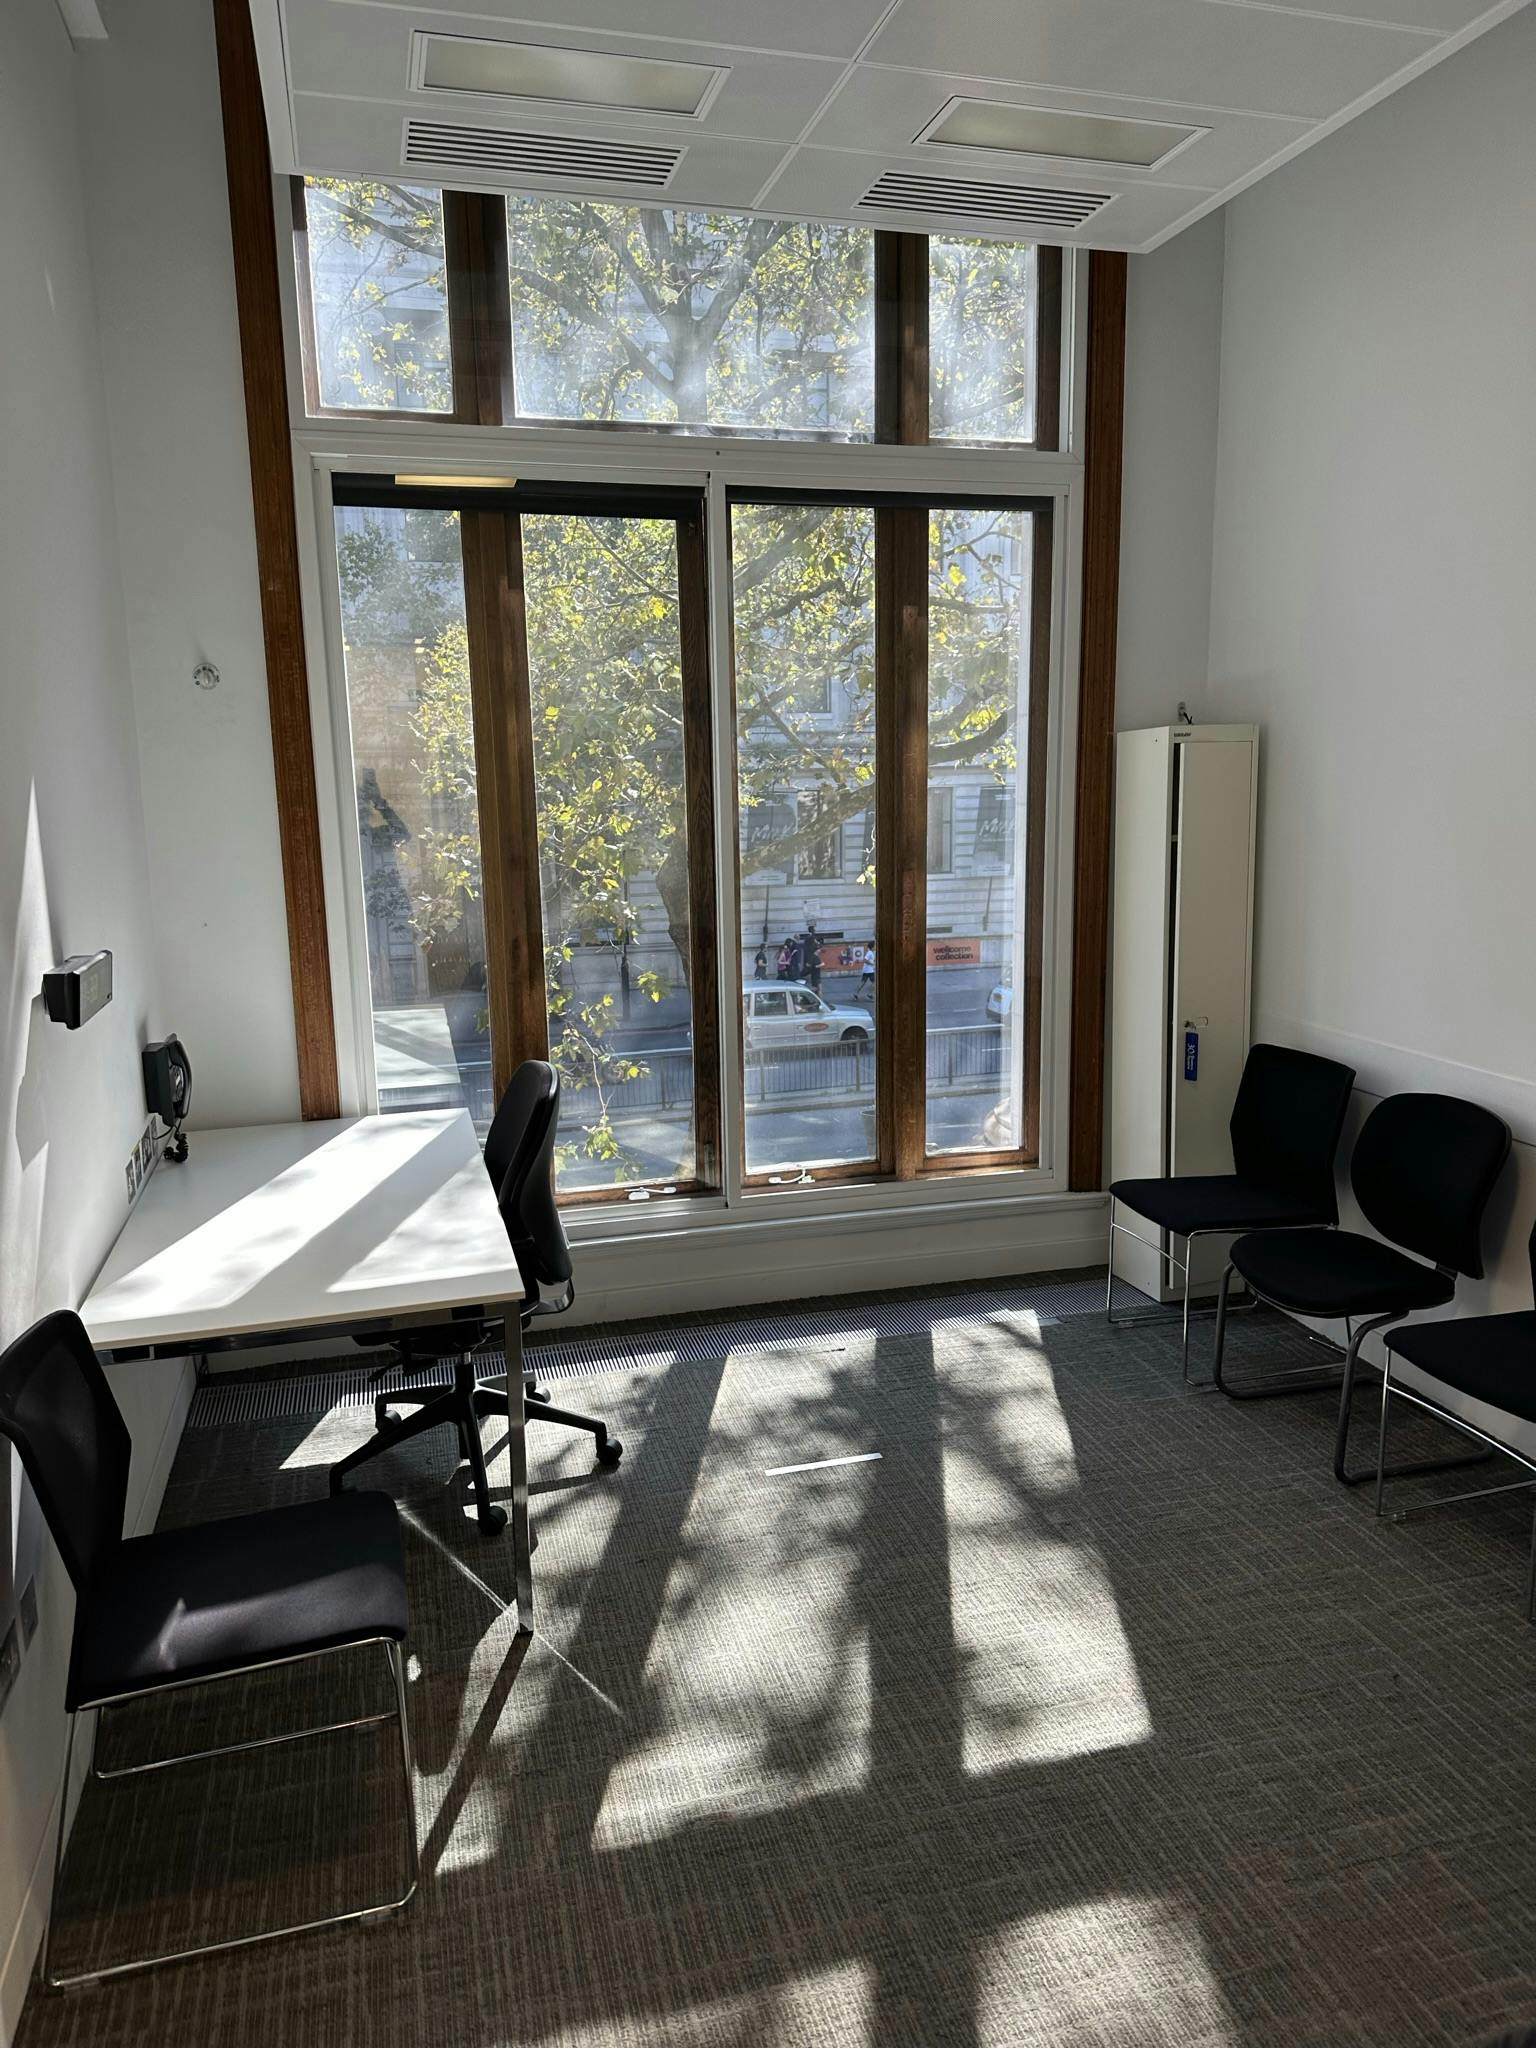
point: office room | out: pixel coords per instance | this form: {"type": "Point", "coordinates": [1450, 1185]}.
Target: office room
{"type": "Point", "coordinates": [769, 1181]}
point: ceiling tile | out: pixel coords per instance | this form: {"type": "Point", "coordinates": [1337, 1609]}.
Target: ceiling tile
{"type": "Point", "coordinates": [338, 48]}
{"type": "Point", "coordinates": [811, 28]}
{"type": "Point", "coordinates": [884, 109]}
{"type": "Point", "coordinates": [1446, 17]}
{"type": "Point", "coordinates": [1258, 59]}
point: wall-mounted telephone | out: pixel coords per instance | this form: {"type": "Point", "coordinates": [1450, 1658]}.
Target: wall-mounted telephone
{"type": "Point", "coordinates": [168, 1091]}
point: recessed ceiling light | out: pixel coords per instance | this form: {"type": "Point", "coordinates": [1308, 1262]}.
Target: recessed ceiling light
{"type": "Point", "coordinates": [1049, 131]}
{"type": "Point", "coordinates": [572, 78]}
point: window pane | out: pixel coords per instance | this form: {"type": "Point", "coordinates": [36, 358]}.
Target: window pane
{"type": "Point", "coordinates": [407, 666]}
{"type": "Point", "coordinates": [690, 319]}
{"type": "Point", "coordinates": [804, 586]}
{"type": "Point", "coordinates": [978, 913]}
{"type": "Point", "coordinates": [604, 668]}
{"type": "Point", "coordinates": [982, 339]}
{"type": "Point", "coordinates": [380, 297]}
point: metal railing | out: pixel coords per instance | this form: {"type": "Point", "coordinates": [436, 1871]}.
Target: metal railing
{"type": "Point", "coordinates": [962, 1059]}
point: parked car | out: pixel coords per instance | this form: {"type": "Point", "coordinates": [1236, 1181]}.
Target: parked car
{"type": "Point", "coordinates": [786, 1013]}
{"type": "Point", "coordinates": [1000, 1003]}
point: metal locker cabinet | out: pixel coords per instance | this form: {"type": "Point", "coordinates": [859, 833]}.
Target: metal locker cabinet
{"type": "Point", "coordinates": [1186, 803]}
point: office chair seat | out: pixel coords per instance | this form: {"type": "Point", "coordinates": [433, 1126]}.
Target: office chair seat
{"type": "Point", "coordinates": [225, 1596]}
{"type": "Point", "coordinates": [1216, 1201]}
{"type": "Point", "coordinates": [1491, 1358]}
{"type": "Point", "coordinates": [1337, 1273]}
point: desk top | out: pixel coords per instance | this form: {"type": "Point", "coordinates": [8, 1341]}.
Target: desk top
{"type": "Point", "coordinates": [291, 1226]}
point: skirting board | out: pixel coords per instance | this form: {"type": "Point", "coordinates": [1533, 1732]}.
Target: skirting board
{"type": "Point", "coordinates": [739, 1267]}
{"type": "Point", "coordinates": [22, 1941]}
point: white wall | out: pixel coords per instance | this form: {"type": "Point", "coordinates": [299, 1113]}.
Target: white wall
{"type": "Point", "coordinates": [73, 877]}
{"type": "Point", "coordinates": [1172, 382]}
{"type": "Point", "coordinates": [1374, 591]}
{"type": "Point", "coordinates": [149, 98]}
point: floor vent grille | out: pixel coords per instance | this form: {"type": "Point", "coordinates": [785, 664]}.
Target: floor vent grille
{"type": "Point", "coordinates": [264, 1393]}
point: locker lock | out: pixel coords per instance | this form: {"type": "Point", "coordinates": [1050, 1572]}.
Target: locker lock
{"type": "Point", "coordinates": [1193, 1026]}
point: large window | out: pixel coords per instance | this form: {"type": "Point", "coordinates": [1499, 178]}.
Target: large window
{"type": "Point", "coordinates": [651, 315]}
{"type": "Point", "coordinates": [374, 276]}
{"type": "Point", "coordinates": [983, 973]}
{"type": "Point", "coordinates": [604, 665]}
{"type": "Point", "coordinates": [418, 821]}
{"type": "Point", "coordinates": [984, 343]}
{"type": "Point", "coordinates": [803, 589]}
{"type": "Point", "coordinates": [567, 692]}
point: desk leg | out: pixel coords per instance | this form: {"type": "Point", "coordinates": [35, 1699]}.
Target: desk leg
{"type": "Point", "coordinates": [517, 1453]}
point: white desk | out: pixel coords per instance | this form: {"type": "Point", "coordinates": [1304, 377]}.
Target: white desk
{"type": "Point", "coordinates": [320, 1228]}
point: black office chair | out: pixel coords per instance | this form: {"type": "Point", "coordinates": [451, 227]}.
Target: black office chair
{"type": "Point", "coordinates": [187, 1606]}
{"type": "Point", "coordinates": [519, 1154]}
{"type": "Point", "coordinates": [1487, 1359]}
{"type": "Point", "coordinates": [1423, 1170]}
{"type": "Point", "coordinates": [1285, 1127]}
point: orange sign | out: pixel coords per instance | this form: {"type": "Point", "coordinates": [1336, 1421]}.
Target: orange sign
{"type": "Point", "coordinates": [954, 952]}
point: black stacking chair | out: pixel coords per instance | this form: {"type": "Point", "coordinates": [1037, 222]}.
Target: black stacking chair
{"type": "Point", "coordinates": [1488, 1360]}
{"type": "Point", "coordinates": [1423, 1169]}
{"type": "Point", "coordinates": [1285, 1127]}
{"type": "Point", "coordinates": [187, 1606]}
{"type": "Point", "coordinates": [519, 1155]}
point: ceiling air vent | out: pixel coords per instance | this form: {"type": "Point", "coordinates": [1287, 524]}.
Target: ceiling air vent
{"type": "Point", "coordinates": [1038, 208]}
{"type": "Point", "coordinates": [537, 159]}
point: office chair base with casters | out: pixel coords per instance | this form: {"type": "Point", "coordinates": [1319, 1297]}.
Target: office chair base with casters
{"type": "Point", "coordinates": [519, 1158]}
{"type": "Point", "coordinates": [539, 1408]}
{"type": "Point", "coordinates": [461, 1404]}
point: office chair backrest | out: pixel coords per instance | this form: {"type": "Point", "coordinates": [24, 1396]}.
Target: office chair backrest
{"type": "Point", "coordinates": [1287, 1121]}
{"type": "Point", "coordinates": [519, 1157]}
{"type": "Point", "coordinates": [57, 1409]}
{"type": "Point", "coordinates": [1423, 1170]}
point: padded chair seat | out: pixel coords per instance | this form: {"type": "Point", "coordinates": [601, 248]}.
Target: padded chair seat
{"type": "Point", "coordinates": [1492, 1358]}
{"type": "Point", "coordinates": [1337, 1273]}
{"type": "Point", "coordinates": [1214, 1201]}
{"type": "Point", "coordinates": [222, 1596]}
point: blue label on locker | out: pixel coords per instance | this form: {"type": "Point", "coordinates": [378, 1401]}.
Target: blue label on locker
{"type": "Point", "coordinates": [1191, 1055]}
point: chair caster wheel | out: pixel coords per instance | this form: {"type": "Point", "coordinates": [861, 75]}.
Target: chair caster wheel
{"type": "Point", "coordinates": [532, 1393]}
{"type": "Point", "coordinates": [386, 1418]}
{"type": "Point", "coordinates": [492, 1521]}
{"type": "Point", "coordinates": [609, 1451]}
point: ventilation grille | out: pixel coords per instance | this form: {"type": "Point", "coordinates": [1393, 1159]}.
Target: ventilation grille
{"type": "Point", "coordinates": [1004, 206]}
{"type": "Point", "coordinates": [562, 159]}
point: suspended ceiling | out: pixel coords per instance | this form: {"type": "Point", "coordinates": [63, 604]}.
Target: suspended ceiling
{"type": "Point", "coordinates": [826, 109]}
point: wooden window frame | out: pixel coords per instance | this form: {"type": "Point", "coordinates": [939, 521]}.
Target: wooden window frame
{"type": "Point", "coordinates": [496, 626]}
{"type": "Point", "coordinates": [483, 396]}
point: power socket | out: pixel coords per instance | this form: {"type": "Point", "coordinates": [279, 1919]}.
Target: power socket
{"type": "Point", "coordinates": [142, 1161]}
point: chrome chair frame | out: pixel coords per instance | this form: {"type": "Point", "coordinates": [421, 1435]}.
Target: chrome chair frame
{"type": "Point", "coordinates": [379, 1911]}
{"type": "Point", "coordinates": [1445, 1500]}
{"type": "Point", "coordinates": [1140, 1317]}
{"type": "Point", "coordinates": [1304, 1380]}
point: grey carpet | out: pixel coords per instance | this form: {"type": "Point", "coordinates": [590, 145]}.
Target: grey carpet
{"type": "Point", "coordinates": [1093, 1712]}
